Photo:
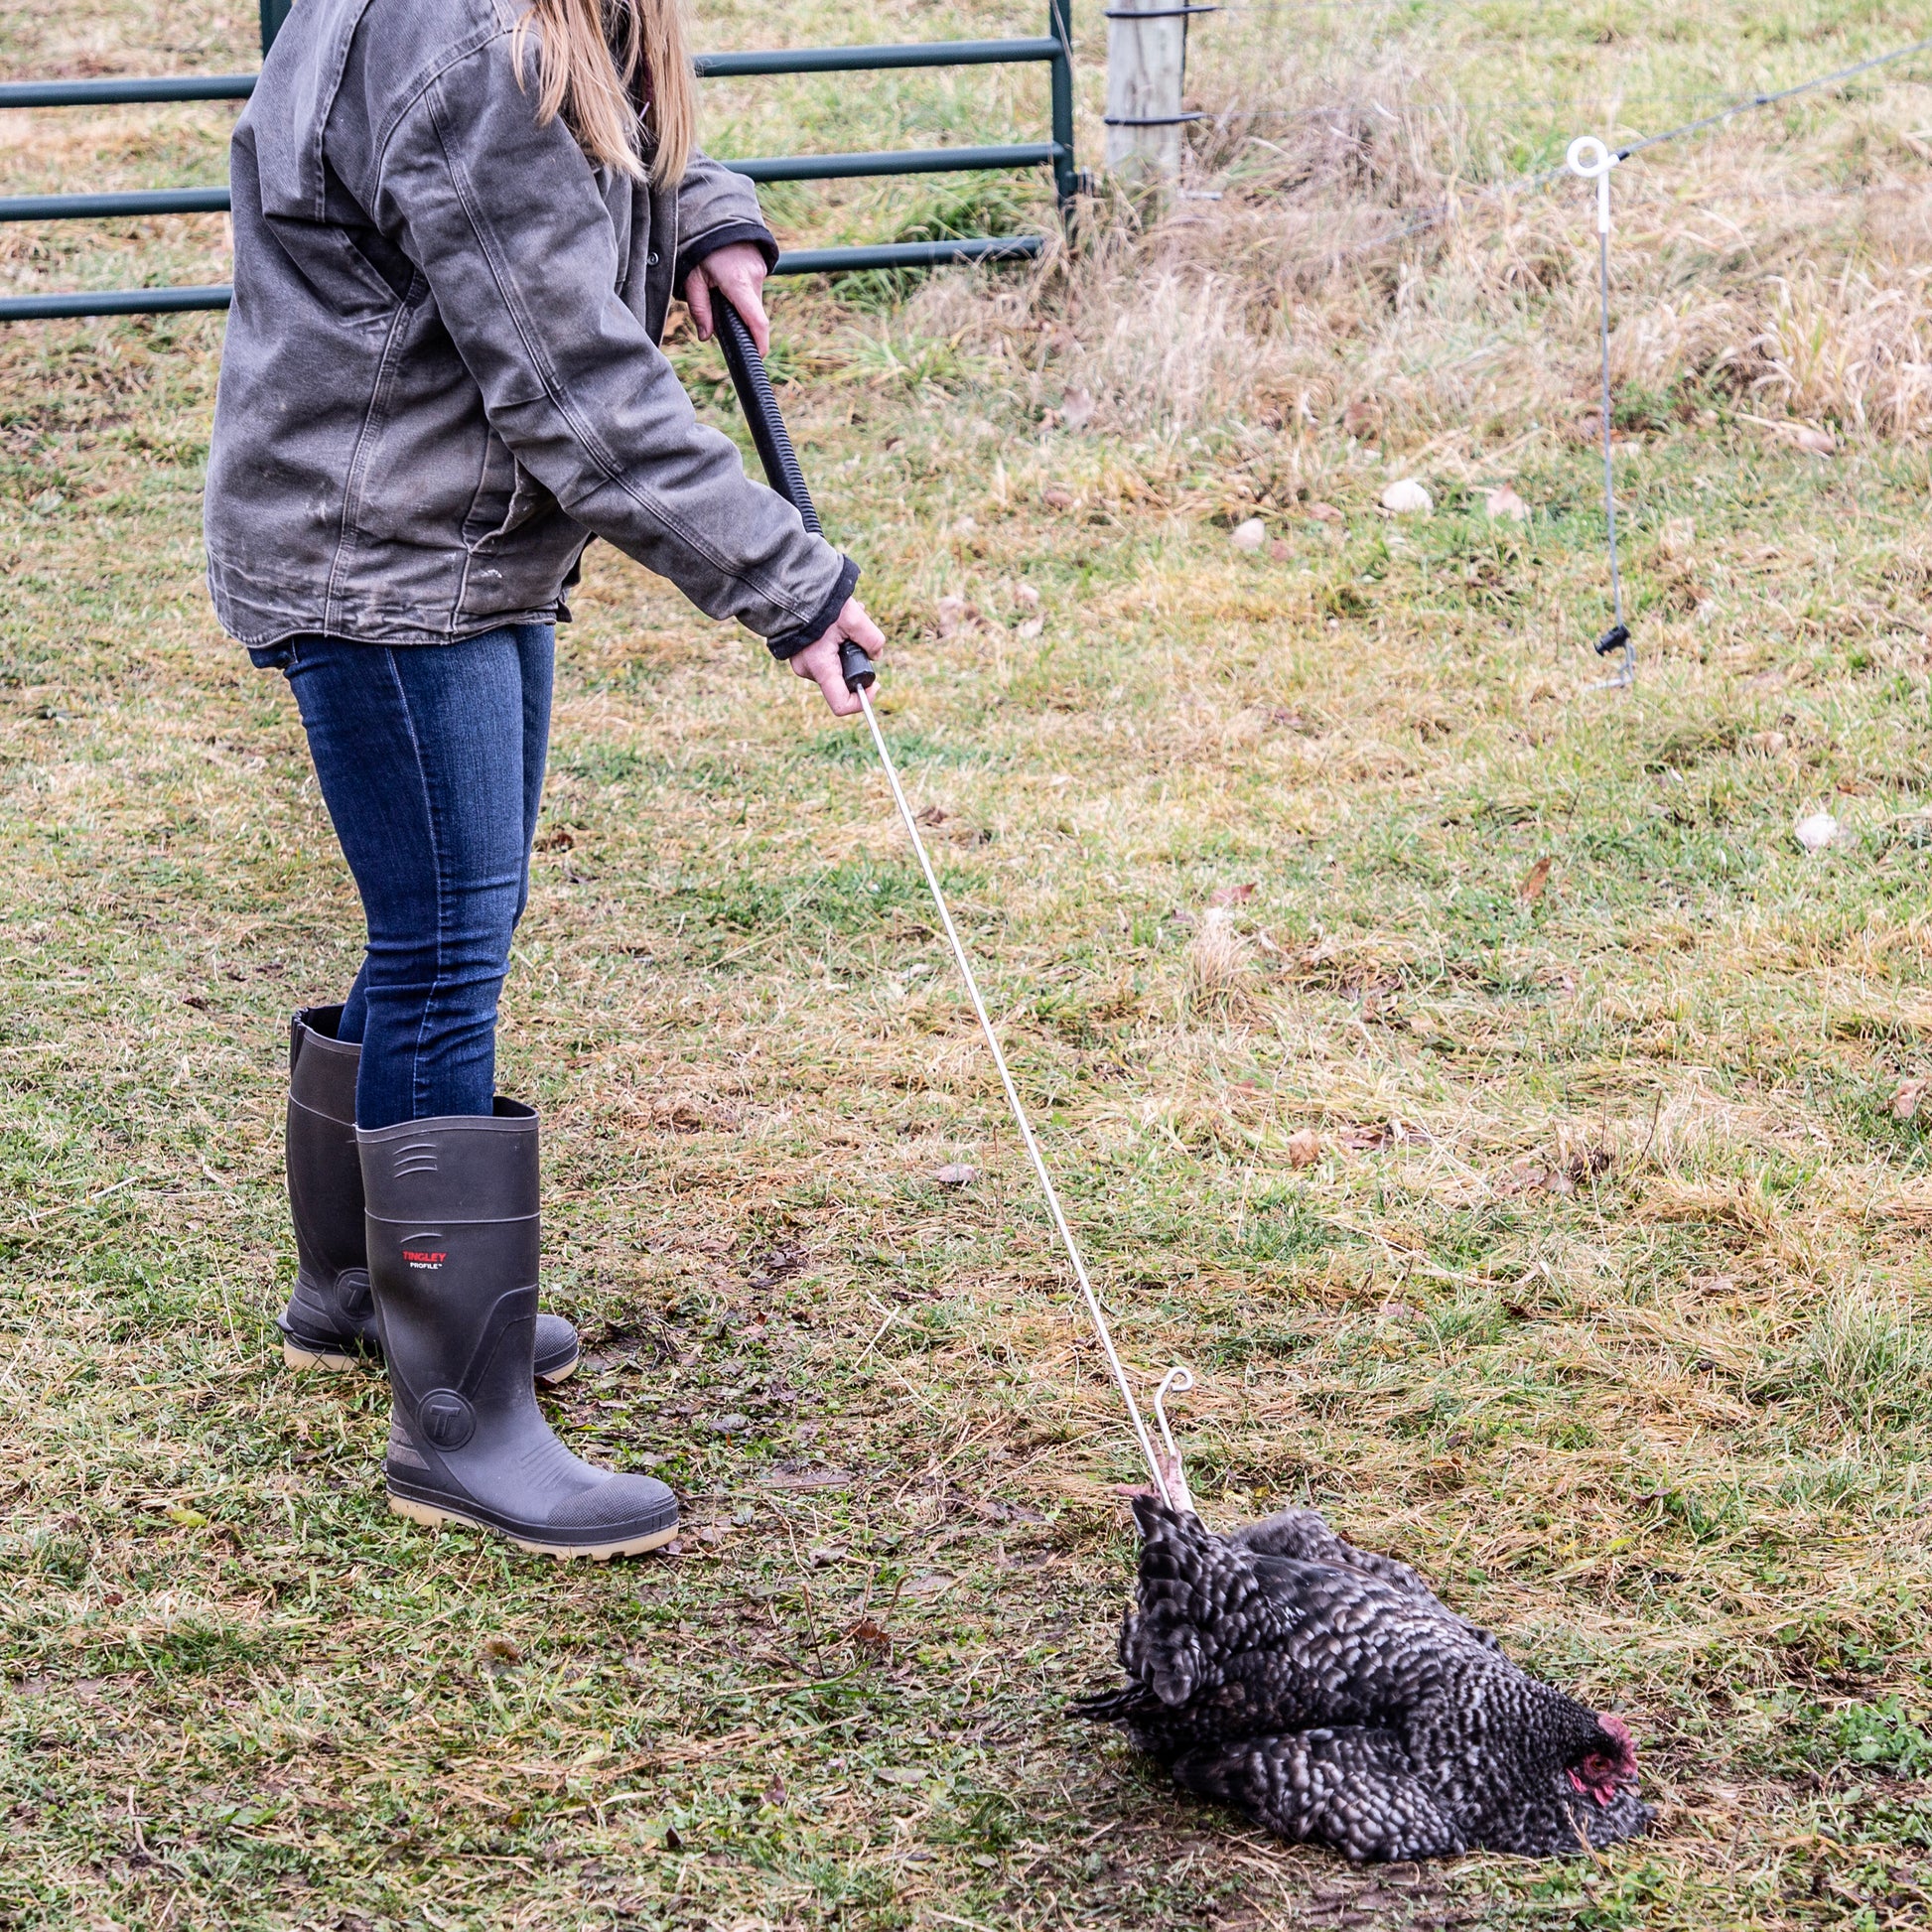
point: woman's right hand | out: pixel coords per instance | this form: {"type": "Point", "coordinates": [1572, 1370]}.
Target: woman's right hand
{"type": "Point", "coordinates": [819, 661]}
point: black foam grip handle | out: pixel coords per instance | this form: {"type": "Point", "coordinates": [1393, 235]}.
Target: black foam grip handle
{"type": "Point", "coordinates": [773, 442]}
{"type": "Point", "coordinates": [856, 665]}
{"type": "Point", "coordinates": [761, 407]}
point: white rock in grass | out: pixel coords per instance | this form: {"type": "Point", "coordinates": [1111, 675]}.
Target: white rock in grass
{"type": "Point", "coordinates": [1250, 535]}
{"type": "Point", "coordinates": [1816, 832]}
{"type": "Point", "coordinates": [1406, 497]}
{"type": "Point", "coordinates": [1503, 502]}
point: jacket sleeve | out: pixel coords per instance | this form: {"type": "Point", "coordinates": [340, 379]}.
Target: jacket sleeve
{"type": "Point", "coordinates": [506, 223]}
{"type": "Point", "coordinates": [715, 207]}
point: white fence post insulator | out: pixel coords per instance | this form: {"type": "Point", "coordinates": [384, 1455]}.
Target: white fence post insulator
{"type": "Point", "coordinates": [1147, 74]}
{"type": "Point", "coordinates": [1589, 160]}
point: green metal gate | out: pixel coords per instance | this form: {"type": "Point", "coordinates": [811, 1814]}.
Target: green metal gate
{"type": "Point", "coordinates": [1055, 50]}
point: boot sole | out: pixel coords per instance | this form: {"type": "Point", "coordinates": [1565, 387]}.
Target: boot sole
{"type": "Point", "coordinates": [306, 1358]}
{"type": "Point", "coordinates": [435, 1516]}
{"type": "Point", "coordinates": [299, 1357]}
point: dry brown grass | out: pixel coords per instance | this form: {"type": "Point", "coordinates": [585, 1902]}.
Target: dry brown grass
{"type": "Point", "coordinates": [1568, 1245]}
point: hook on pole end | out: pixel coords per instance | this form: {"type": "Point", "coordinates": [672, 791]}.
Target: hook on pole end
{"type": "Point", "coordinates": [1172, 1478]}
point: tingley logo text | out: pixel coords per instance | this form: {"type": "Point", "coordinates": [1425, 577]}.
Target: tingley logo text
{"type": "Point", "coordinates": [425, 1257]}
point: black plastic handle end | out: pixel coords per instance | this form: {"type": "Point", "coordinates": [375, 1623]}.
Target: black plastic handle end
{"type": "Point", "coordinates": [1614, 639]}
{"type": "Point", "coordinates": [856, 666]}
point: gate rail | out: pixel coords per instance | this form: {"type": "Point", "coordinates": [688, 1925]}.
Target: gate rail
{"type": "Point", "coordinates": [1054, 50]}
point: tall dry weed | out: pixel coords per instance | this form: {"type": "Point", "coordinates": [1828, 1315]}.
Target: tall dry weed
{"type": "Point", "coordinates": [1743, 269]}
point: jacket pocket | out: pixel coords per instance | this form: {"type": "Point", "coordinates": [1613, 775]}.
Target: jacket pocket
{"type": "Point", "coordinates": [506, 498]}
{"type": "Point", "coordinates": [346, 282]}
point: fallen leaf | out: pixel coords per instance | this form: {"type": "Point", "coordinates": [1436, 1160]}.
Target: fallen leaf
{"type": "Point", "coordinates": [871, 1633]}
{"type": "Point", "coordinates": [1591, 1165]}
{"type": "Point", "coordinates": [955, 615]}
{"type": "Point", "coordinates": [189, 1519]}
{"type": "Point", "coordinates": [1250, 535]}
{"type": "Point", "coordinates": [1278, 551]}
{"type": "Point", "coordinates": [1230, 894]}
{"type": "Point", "coordinates": [1076, 409]}
{"type": "Point", "coordinates": [774, 1792]}
{"type": "Point", "coordinates": [1406, 497]}
{"type": "Point", "coordinates": [1363, 417]}
{"type": "Point", "coordinates": [1326, 513]}
{"type": "Point", "coordinates": [956, 1174]}
{"type": "Point", "coordinates": [1808, 437]}
{"type": "Point", "coordinates": [1056, 499]}
{"type": "Point", "coordinates": [1534, 1174]}
{"type": "Point", "coordinates": [933, 815]}
{"type": "Point", "coordinates": [672, 1843]}
{"type": "Point", "coordinates": [1533, 1177]}
{"type": "Point", "coordinates": [1816, 832]}
{"type": "Point", "coordinates": [1027, 595]}
{"type": "Point", "coordinates": [1303, 1147]}
{"type": "Point", "coordinates": [1906, 1101]}
{"type": "Point", "coordinates": [1504, 501]}
{"type": "Point", "coordinates": [1531, 887]}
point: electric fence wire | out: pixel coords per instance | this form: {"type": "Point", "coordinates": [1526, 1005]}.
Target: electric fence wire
{"type": "Point", "coordinates": [1593, 160]}
{"type": "Point", "coordinates": [1542, 178]}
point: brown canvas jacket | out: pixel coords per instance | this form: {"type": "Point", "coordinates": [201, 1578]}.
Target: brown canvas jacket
{"type": "Point", "coordinates": [441, 378]}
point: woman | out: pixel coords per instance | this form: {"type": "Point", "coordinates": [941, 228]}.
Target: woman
{"type": "Point", "coordinates": [458, 226]}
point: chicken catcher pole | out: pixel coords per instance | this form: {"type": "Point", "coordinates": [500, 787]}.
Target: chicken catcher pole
{"type": "Point", "coordinates": [781, 461]}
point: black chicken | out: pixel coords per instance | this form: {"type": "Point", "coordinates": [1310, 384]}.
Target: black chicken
{"type": "Point", "coordinates": [1328, 1693]}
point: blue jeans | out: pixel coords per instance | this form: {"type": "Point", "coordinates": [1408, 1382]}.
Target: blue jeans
{"type": "Point", "coordinates": [431, 764]}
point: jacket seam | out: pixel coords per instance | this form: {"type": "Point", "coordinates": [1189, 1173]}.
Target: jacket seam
{"type": "Point", "coordinates": [348, 532]}
{"type": "Point", "coordinates": [325, 106]}
{"type": "Point", "coordinates": [554, 391]}
{"type": "Point", "coordinates": [413, 96]}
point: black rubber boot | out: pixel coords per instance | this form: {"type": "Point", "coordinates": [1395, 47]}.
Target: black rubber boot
{"type": "Point", "coordinates": [453, 1245]}
{"type": "Point", "coordinates": [329, 1321]}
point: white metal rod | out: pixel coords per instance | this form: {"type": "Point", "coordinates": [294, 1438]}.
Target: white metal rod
{"type": "Point", "coordinates": [1046, 1187]}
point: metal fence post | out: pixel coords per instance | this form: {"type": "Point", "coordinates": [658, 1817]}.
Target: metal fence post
{"type": "Point", "coordinates": [1067, 177]}
{"type": "Point", "coordinates": [274, 13]}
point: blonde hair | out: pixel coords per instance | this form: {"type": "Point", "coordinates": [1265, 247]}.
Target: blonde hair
{"type": "Point", "coordinates": [616, 70]}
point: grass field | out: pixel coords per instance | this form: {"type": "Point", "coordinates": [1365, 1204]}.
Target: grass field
{"type": "Point", "coordinates": [1558, 1228]}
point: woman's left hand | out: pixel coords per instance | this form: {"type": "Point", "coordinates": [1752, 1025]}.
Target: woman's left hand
{"type": "Point", "coordinates": [739, 271]}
